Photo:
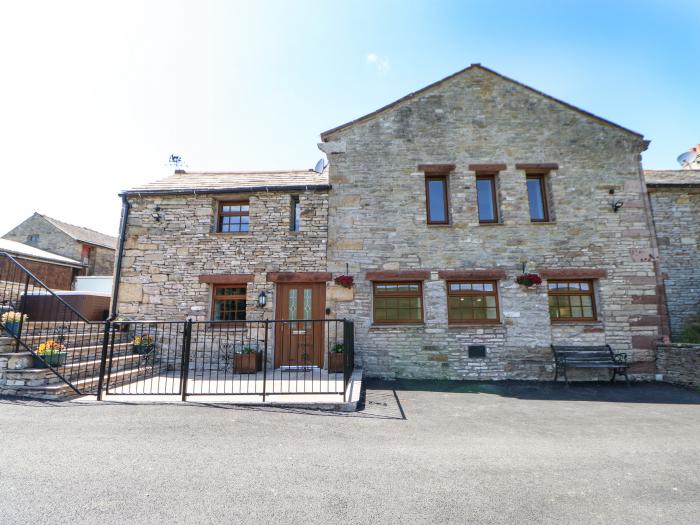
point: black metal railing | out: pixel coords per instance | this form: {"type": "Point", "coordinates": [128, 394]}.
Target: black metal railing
{"type": "Point", "coordinates": [58, 337]}
{"type": "Point", "coordinates": [185, 358]}
{"type": "Point", "coordinates": [247, 358]}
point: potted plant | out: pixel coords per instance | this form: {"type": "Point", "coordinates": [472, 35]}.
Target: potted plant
{"type": "Point", "coordinates": [345, 281]}
{"type": "Point", "coordinates": [528, 279]}
{"type": "Point", "coordinates": [121, 324]}
{"type": "Point", "coordinates": [247, 361]}
{"type": "Point", "coordinates": [143, 344]}
{"type": "Point", "coordinates": [336, 358]}
{"type": "Point", "coordinates": [51, 353]}
{"type": "Point", "coordinates": [12, 321]}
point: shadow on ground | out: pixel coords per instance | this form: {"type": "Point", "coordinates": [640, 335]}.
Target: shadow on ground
{"type": "Point", "coordinates": [548, 390]}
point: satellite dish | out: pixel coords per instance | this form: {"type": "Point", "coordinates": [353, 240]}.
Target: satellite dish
{"type": "Point", "coordinates": [686, 158]}
{"type": "Point", "coordinates": [320, 166]}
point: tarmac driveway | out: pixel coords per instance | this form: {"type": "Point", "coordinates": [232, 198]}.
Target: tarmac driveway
{"type": "Point", "coordinates": [422, 452]}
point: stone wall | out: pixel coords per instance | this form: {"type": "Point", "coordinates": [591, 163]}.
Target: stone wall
{"type": "Point", "coordinates": [377, 221]}
{"type": "Point", "coordinates": [50, 238]}
{"type": "Point", "coordinates": [163, 260]}
{"type": "Point", "coordinates": [677, 220]}
{"type": "Point", "coordinates": [679, 364]}
{"type": "Point", "coordinates": [102, 262]}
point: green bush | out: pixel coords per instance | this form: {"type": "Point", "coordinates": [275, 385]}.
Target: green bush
{"type": "Point", "coordinates": [691, 330]}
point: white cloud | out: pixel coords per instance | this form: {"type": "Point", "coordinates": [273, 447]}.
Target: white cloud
{"type": "Point", "coordinates": [382, 64]}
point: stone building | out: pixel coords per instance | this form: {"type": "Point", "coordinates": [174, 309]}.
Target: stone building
{"type": "Point", "coordinates": [434, 205]}
{"type": "Point", "coordinates": [95, 250]}
{"type": "Point", "coordinates": [675, 204]}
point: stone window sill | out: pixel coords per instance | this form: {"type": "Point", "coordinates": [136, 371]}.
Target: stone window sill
{"type": "Point", "coordinates": [380, 326]}
{"type": "Point", "coordinates": [548, 223]}
{"type": "Point", "coordinates": [577, 323]}
{"type": "Point", "coordinates": [230, 234]}
{"type": "Point", "coordinates": [491, 224]}
{"type": "Point", "coordinates": [448, 225]}
{"type": "Point", "coordinates": [474, 326]}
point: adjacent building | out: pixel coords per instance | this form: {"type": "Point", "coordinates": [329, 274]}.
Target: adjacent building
{"type": "Point", "coordinates": [94, 250]}
{"type": "Point", "coordinates": [434, 205]}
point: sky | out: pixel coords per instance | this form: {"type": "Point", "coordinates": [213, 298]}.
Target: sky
{"type": "Point", "coordinates": [95, 95]}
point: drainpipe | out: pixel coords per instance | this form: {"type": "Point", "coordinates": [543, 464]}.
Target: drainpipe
{"type": "Point", "coordinates": [120, 253]}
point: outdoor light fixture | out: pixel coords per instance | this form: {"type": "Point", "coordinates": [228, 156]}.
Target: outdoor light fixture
{"type": "Point", "coordinates": [615, 204]}
{"type": "Point", "coordinates": [156, 215]}
{"type": "Point", "coordinates": [262, 299]}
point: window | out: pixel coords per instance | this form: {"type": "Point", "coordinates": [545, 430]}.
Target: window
{"type": "Point", "coordinates": [228, 303]}
{"type": "Point", "coordinates": [486, 198]}
{"type": "Point", "coordinates": [571, 300]}
{"type": "Point", "coordinates": [537, 195]}
{"type": "Point", "coordinates": [295, 215]}
{"type": "Point", "coordinates": [472, 302]}
{"type": "Point", "coordinates": [34, 238]}
{"type": "Point", "coordinates": [436, 199]}
{"type": "Point", "coordinates": [234, 217]}
{"type": "Point", "coordinates": [398, 302]}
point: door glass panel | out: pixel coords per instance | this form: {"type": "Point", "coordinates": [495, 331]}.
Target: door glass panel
{"type": "Point", "coordinates": [307, 303]}
{"type": "Point", "coordinates": [292, 303]}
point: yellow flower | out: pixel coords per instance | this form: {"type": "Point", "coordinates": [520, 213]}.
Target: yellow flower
{"type": "Point", "coordinates": [50, 347]}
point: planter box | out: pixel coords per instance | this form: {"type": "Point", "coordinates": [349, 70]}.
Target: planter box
{"type": "Point", "coordinates": [56, 359]}
{"type": "Point", "coordinates": [143, 349]}
{"type": "Point", "coordinates": [336, 362]}
{"type": "Point", "coordinates": [247, 363]}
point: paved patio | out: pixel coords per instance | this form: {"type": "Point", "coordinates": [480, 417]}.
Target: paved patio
{"type": "Point", "coordinates": [418, 452]}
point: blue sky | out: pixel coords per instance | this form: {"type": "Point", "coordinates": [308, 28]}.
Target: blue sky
{"type": "Point", "coordinates": [96, 95]}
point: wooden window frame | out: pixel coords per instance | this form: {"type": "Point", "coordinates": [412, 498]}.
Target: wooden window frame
{"type": "Point", "coordinates": [419, 294]}
{"type": "Point", "coordinates": [590, 293]}
{"type": "Point", "coordinates": [491, 177]}
{"type": "Point", "coordinates": [236, 297]}
{"type": "Point", "coordinates": [542, 177]}
{"type": "Point", "coordinates": [221, 214]}
{"type": "Point", "coordinates": [294, 210]}
{"type": "Point", "coordinates": [443, 178]}
{"type": "Point", "coordinates": [474, 293]}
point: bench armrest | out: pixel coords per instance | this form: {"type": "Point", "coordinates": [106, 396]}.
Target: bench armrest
{"type": "Point", "coordinates": [620, 357]}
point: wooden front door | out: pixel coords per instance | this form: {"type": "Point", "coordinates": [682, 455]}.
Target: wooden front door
{"type": "Point", "coordinates": [299, 338]}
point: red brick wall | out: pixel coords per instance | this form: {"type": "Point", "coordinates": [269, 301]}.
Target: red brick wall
{"type": "Point", "coordinates": [54, 276]}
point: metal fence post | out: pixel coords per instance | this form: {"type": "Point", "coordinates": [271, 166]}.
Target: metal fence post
{"type": "Point", "coordinates": [267, 326]}
{"type": "Point", "coordinates": [349, 357]}
{"type": "Point", "coordinates": [103, 359]}
{"type": "Point", "coordinates": [185, 364]}
{"type": "Point", "coordinates": [22, 310]}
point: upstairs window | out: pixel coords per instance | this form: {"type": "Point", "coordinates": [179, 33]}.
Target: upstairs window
{"type": "Point", "coordinates": [472, 302]}
{"type": "Point", "coordinates": [571, 300]}
{"type": "Point", "coordinates": [234, 217]}
{"type": "Point", "coordinates": [537, 196]}
{"type": "Point", "coordinates": [398, 302]}
{"type": "Point", "coordinates": [436, 199]}
{"type": "Point", "coordinates": [486, 198]}
{"type": "Point", "coordinates": [33, 239]}
{"type": "Point", "coordinates": [228, 303]}
{"type": "Point", "coordinates": [295, 214]}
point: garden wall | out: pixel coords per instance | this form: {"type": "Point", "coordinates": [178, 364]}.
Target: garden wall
{"type": "Point", "coordinates": [679, 363]}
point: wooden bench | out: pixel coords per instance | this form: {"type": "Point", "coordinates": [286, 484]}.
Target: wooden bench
{"type": "Point", "coordinates": [589, 357]}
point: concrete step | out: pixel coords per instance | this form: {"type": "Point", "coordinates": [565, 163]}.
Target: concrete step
{"type": "Point", "coordinates": [75, 339]}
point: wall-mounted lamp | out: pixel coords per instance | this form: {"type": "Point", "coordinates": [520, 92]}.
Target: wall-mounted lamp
{"type": "Point", "coordinates": [615, 204]}
{"type": "Point", "coordinates": [156, 215]}
{"type": "Point", "coordinates": [524, 265]}
{"type": "Point", "coordinates": [262, 299]}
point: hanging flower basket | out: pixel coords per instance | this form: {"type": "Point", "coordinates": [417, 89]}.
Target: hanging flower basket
{"type": "Point", "coordinates": [528, 279]}
{"type": "Point", "coordinates": [346, 281]}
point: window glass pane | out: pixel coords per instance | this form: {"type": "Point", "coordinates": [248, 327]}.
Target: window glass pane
{"type": "Point", "coordinates": [534, 195]}
{"type": "Point", "coordinates": [484, 198]}
{"type": "Point", "coordinates": [307, 303]}
{"type": "Point", "coordinates": [436, 198]}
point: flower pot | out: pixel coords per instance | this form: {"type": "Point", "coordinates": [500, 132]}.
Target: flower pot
{"type": "Point", "coordinates": [247, 363]}
{"type": "Point", "coordinates": [143, 349]}
{"type": "Point", "coordinates": [54, 360]}
{"type": "Point", "coordinates": [12, 328]}
{"type": "Point", "coordinates": [336, 362]}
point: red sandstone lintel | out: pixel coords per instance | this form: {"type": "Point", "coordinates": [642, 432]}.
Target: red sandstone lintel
{"type": "Point", "coordinates": [299, 277]}
{"type": "Point", "coordinates": [487, 167]}
{"type": "Point", "coordinates": [573, 273]}
{"type": "Point", "coordinates": [240, 278]}
{"type": "Point", "coordinates": [544, 166]}
{"type": "Point", "coordinates": [436, 168]}
{"type": "Point", "coordinates": [451, 275]}
{"type": "Point", "coordinates": [401, 275]}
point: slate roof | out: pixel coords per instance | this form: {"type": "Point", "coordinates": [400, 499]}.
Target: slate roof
{"type": "Point", "coordinates": [79, 233]}
{"type": "Point", "coordinates": [17, 248]}
{"type": "Point", "coordinates": [672, 178]}
{"type": "Point", "coordinates": [182, 182]}
{"type": "Point", "coordinates": [326, 134]}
